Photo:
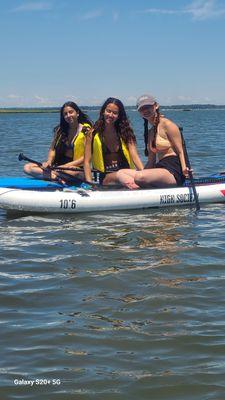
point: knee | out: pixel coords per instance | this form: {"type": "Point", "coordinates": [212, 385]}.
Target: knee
{"type": "Point", "coordinates": [27, 168]}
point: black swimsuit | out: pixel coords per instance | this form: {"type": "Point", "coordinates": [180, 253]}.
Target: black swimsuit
{"type": "Point", "coordinates": [172, 164]}
{"type": "Point", "coordinates": [113, 156]}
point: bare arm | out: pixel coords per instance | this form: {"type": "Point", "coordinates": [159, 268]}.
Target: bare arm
{"type": "Point", "coordinates": [135, 156]}
{"type": "Point", "coordinates": [51, 158]}
{"type": "Point", "coordinates": [75, 163]}
{"type": "Point", "coordinates": [174, 136]}
{"type": "Point", "coordinates": [151, 156]}
{"type": "Point", "coordinates": [151, 160]}
{"type": "Point", "coordinates": [87, 156]}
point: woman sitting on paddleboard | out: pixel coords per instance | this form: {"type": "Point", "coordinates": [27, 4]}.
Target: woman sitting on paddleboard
{"type": "Point", "coordinates": [111, 144]}
{"type": "Point", "coordinates": [67, 147]}
{"type": "Point", "coordinates": [166, 164]}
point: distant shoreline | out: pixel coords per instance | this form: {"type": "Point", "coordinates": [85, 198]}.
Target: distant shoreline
{"type": "Point", "coordinates": [28, 110]}
{"type": "Point", "coordinates": [182, 107]}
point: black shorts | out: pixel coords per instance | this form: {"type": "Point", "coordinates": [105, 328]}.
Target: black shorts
{"type": "Point", "coordinates": [102, 176]}
{"type": "Point", "coordinates": [172, 164]}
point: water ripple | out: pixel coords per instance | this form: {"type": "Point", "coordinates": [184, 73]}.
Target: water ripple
{"type": "Point", "coordinates": [121, 305]}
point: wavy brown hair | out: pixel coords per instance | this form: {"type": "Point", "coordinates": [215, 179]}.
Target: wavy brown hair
{"type": "Point", "coordinates": [122, 124]}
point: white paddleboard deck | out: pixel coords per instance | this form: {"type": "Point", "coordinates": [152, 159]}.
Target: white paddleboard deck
{"type": "Point", "coordinates": [79, 200]}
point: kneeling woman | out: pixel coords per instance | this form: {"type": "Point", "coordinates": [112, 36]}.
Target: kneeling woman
{"type": "Point", "coordinates": [166, 164]}
{"type": "Point", "coordinates": [67, 147]}
{"type": "Point", "coordinates": [111, 144]}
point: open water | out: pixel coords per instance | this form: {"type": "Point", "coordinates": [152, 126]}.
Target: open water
{"type": "Point", "coordinates": [119, 305]}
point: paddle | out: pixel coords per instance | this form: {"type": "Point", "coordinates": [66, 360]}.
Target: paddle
{"type": "Point", "coordinates": [197, 205]}
{"type": "Point", "coordinates": [68, 177]}
{"type": "Point", "coordinates": [23, 157]}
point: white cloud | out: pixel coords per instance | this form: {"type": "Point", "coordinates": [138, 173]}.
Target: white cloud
{"type": "Point", "coordinates": [92, 15]}
{"type": "Point", "coordinates": [198, 10]}
{"type": "Point", "coordinates": [13, 100]}
{"type": "Point", "coordinates": [185, 98]}
{"type": "Point", "coordinates": [71, 97]}
{"type": "Point", "coordinates": [36, 100]}
{"type": "Point", "coordinates": [94, 101]}
{"type": "Point", "coordinates": [17, 100]}
{"type": "Point", "coordinates": [97, 14]}
{"type": "Point", "coordinates": [182, 99]}
{"type": "Point", "coordinates": [160, 11]}
{"type": "Point", "coordinates": [33, 6]}
{"type": "Point", "coordinates": [41, 100]}
{"type": "Point", "coordinates": [13, 96]}
{"type": "Point", "coordinates": [202, 9]}
{"type": "Point", "coordinates": [130, 100]}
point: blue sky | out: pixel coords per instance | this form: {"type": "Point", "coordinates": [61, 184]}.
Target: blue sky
{"type": "Point", "coordinates": [87, 50]}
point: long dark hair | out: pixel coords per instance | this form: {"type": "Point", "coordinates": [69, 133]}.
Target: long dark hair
{"type": "Point", "coordinates": [122, 124]}
{"type": "Point", "coordinates": [155, 127]}
{"type": "Point", "coordinates": [63, 126]}
{"type": "Point", "coordinates": [146, 136]}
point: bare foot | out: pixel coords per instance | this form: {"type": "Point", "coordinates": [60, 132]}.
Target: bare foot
{"type": "Point", "coordinates": [131, 185]}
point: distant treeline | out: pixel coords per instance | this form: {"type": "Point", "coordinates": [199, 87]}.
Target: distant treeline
{"type": "Point", "coordinates": [183, 107]}
{"type": "Point", "coordinates": [29, 110]}
{"type": "Point", "coordinates": [187, 107]}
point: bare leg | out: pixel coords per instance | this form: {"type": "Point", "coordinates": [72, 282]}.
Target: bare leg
{"type": "Point", "coordinates": [157, 177]}
{"type": "Point", "coordinates": [126, 178]}
{"type": "Point", "coordinates": [39, 173]}
{"type": "Point", "coordinates": [33, 170]}
{"type": "Point", "coordinates": [110, 179]}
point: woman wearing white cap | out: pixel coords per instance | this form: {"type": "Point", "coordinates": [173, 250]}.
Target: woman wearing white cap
{"type": "Point", "coordinates": [166, 164]}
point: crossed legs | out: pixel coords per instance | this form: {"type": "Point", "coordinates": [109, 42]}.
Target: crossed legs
{"type": "Point", "coordinates": [155, 177]}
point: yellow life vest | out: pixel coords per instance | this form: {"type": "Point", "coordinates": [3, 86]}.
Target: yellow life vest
{"type": "Point", "coordinates": [79, 144]}
{"type": "Point", "coordinates": [97, 155]}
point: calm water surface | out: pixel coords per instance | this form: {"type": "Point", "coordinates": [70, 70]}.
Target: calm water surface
{"type": "Point", "coordinates": [112, 306]}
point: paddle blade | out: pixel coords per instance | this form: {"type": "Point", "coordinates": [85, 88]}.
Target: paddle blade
{"type": "Point", "coordinates": [20, 157]}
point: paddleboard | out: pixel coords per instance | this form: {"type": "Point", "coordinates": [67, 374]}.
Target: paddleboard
{"type": "Point", "coordinates": [51, 197]}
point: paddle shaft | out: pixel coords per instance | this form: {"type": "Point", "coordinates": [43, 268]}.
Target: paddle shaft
{"type": "Point", "coordinates": [64, 174]}
{"type": "Point", "coordinates": [23, 157]}
{"type": "Point", "coordinates": [189, 171]}
{"type": "Point", "coordinates": [69, 177]}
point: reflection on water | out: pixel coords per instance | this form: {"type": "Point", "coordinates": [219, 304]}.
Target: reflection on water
{"type": "Point", "coordinates": [123, 305]}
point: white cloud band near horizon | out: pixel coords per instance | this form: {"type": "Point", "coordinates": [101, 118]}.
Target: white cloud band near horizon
{"type": "Point", "coordinates": [198, 10]}
{"type": "Point", "coordinates": [16, 100]}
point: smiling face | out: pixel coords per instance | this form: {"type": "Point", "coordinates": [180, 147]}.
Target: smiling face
{"type": "Point", "coordinates": [111, 114]}
{"type": "Point", "coordinates": [70, 115]}
{"type": "Point", "coordinates": [149, 112]}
